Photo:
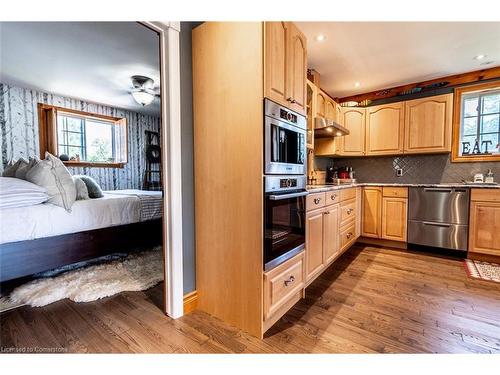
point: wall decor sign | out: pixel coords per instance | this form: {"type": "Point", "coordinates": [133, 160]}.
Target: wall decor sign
{"type": "Point", "coordinates": [478, 149]}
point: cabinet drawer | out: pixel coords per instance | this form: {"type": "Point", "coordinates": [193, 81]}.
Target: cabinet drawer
{"type": "Point", "coordinates": [347, 212]}
{"type": "Point", "coordinates": [346, 194]}
{"type": "Point", "coordinates": [315, 200]}
{"type": "Point", "coordinates": [347, 236]}
{"type": "Point", "coordinates": [282, 283]}
{"type": "Point", "coordinates": [485, 195]}
{"type": "Point", "coordinates": [397, 192]}
{"type": "Point", "coordinates": [332, 197]}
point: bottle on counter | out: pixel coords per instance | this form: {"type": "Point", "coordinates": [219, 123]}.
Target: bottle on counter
{"type": "Point", "coordinates": [489, 178]}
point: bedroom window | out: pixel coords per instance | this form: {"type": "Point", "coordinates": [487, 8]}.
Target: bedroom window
{"type": "Point", "coordinates": [476, 123]}
{"type": "Point", "coordinates": [83, 139]}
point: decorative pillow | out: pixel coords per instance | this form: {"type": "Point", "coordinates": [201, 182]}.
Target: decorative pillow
{"type": "Point", "coordinates": [93, 187]}
{"type": "Point", "coordinates": [23, 169]}
{"type": "Point", "coordinates": [82, 192]}
{"type": "Point", "coordinates": [19, 193]}
{"type": "Point", "coordinates": [12, 166]}
{"type": "Point", "coordinates": [53, 176]}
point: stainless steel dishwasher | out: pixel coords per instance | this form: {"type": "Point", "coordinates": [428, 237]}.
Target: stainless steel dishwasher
{"type": "Point", "coordinates": [439, 217]}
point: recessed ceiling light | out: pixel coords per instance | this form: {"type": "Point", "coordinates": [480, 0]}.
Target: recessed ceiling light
{"type": "Point", "coordinates": [357, 84]}
{"type": "Point", "coordinates": [479, 57]}
{"type": "Point", "coordinates": [320, 37]}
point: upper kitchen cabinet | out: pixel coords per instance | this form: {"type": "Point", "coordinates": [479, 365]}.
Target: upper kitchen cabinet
{"type": "Point", "coordinates": [285, 65]}
{"type": "Point", "coordinates": [311, 97]}
{"type": "Point", "coordinates": [385, 129]}
{"type": "Point", "coordinates": [320, 104]}
{"type": "Point", "coordinates": [353, 119]}
{"type": "Point", "coordinates": [330, 111]}
{"type": "Point", "coordinates": [428, 124]}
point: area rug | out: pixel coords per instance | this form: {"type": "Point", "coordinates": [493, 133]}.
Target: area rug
{"type": "Point", "coordinates": [482, 270]}
{"type": "Point", "coordinates": [134, 272]}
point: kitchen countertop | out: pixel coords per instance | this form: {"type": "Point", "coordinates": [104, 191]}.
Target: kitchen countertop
{"type": "Point", "coordinates": [322, 188]}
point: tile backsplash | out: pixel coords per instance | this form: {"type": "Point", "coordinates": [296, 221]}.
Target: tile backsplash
{"type": "Point", "coordinates": [428, 169]}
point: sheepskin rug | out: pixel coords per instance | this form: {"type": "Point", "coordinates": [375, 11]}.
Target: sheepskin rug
{"type": "Point", "coordinates": [135, 272]}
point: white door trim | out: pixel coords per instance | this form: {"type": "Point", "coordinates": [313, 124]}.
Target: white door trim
{"type": "Point", "coordinates": [171, 166]}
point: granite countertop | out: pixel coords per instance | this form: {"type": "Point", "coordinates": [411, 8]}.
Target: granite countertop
{"type": "Point", "coordinates": [321, 188]}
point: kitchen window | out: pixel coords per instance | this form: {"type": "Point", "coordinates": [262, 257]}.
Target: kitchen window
{"type": "Point", "coordinates": [83, 139]}
{"type": "Point", "coordinates": [476, 129]}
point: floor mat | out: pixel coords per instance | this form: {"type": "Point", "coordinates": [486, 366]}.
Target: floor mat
{"type": "Point", "coordinates": [482, 270]}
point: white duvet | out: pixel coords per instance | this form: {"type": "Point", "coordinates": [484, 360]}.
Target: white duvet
{"type": "Point", "coordinates": [46, 220]}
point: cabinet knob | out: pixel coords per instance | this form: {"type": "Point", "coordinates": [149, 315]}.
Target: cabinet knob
{"type": "Point", "coordinates": [317, 200]}
{"type": "Point", "coordinates": [333, 196]}
{"type": "Point", "coordinates": [289, 99]}
{"type": "Point", "coordinates": [290, 280]}
{"type": "Point", "coordinates": [349, 211]}
{"type": "Point", "coordinates": [349, 235]}
{"type": "Point", "coordinates": [327, 213]}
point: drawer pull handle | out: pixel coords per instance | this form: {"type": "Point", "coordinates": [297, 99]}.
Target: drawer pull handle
{"type": "Point", "coordinates": [290, 280]}
{"type": "Point", "coordinates": [327, 213]}
{"type": "Point", "coordinates": [317, 200]}
{"type": "Point", "coordinates": [349, 211]}
{"type": "Point", "coordinates": [349, 235]}
{"type": "Point", "coordinates": [333, 196]}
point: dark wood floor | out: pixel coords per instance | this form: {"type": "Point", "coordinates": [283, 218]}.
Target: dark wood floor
{"type": "Point", "coordinates": [371, 300]}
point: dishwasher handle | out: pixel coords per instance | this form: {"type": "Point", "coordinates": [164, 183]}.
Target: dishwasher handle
{"type": "Point", "coordinates": [436, 224]}
{"type": "Point", "coordinates": [439, 190]}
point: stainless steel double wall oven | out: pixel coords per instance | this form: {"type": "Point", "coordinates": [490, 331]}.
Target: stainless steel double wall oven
{"type": "Point", "coordinates": [284, 183]}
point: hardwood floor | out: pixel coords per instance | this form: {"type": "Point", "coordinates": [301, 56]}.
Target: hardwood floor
{"type": "Point", "coordinates": [370, 300]}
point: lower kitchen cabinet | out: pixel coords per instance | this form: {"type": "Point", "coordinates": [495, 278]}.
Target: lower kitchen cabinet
{"type": "Point", "coordinates": [394, 218]}
{"type": "Point", "coordinates": [484, 224]}
{"type": "Point", "coordinates": [385, 213]}
{"type": "Point", "coordinates": [326, 228]}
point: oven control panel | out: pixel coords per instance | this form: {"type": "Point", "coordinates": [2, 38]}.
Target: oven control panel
{"type": "Point", "coordinates": [284, 183]}
{"type": "Point", "coordinates": [288, 182]}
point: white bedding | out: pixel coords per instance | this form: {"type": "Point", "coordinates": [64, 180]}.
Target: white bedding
{"type": "Point", "coordinates": [46, 220]}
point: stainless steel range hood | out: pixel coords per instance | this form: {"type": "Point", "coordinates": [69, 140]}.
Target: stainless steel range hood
{"type": "Point", "coordinates": [326, 128]}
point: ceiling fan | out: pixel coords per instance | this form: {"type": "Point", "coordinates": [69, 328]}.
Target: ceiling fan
{"type": "Point", "coordinates": [144, 91]}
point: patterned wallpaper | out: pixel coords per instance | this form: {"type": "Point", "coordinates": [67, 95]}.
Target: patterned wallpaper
{"type": "Point", "coordinates": [428, 169]}
{"type": "Point", "coordinates": [19, 133]}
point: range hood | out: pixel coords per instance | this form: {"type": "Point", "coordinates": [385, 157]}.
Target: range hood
{"type": "Point", "coordinates": [326, 128]}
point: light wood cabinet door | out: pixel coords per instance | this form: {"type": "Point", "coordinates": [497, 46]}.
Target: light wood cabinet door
{"type": "Point", "coordinates": [428, 124]}
{"type": "Point", "coordinates": [385, 129]}
{"type": "Point", "coordinates": [331, 244]}
{"type": "Point", "coordinates": [484, 225]}
{"type": "Point", "coordinates": [354, 120]}
{"type": "Point", "coordinates": [276, 61]}
{"type": "Point", "coordinates": [372, 212]}
{"type": "Point", "coordinates": [338, 114]}
{"type": "Point", "coordinates": [320, 105]}
{"type": "Point", "coordinates": [394, 218]}
{"type": "Point", "coordinates": [297, 69]}
{"type": "Point", "coordinates": [314, 243]}
{"type": "Point", "coordinates": [330, 109]}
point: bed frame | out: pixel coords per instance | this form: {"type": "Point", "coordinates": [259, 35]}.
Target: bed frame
{"type": "Point", "coordinates": [24, 258]}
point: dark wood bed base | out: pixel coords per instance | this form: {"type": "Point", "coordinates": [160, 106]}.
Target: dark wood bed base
{"type": "Point", "coordinates": [24, 258]}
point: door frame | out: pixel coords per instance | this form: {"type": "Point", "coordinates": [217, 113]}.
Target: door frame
{"type": "Point", "coordinates": [169, 33]}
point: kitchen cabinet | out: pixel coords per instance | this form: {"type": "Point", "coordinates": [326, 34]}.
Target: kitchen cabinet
{"type": "Point", "coordinates": [385, 213]}
{"type": "Point", "coordinates": [428, 124]}
{"type": "Point", "coordinates": [330, 233]}
{"type": "Point", "coordinates": [354, 120]}
{"type": "Point", "coordinates": [385, 129]}
{"type": "Point", "coordinates": [286, 65]}
{"type": "Point", "coordinates": [394, 218]}
{"type": "Point", "coordinates": [484, 222]}
{"type": "Point", "coordinates": [320, 104]}
{"type": "Point", "coordinates": [330, 109]}
{"type": "Point", "coordinates": [372, 212]}
{"type": "Point", "coordinates": [311, 98]}
{"type": "Point", "coordinates": [276, 61]}
{"type": "Point", "coordinates": [314, 243]}
{"type": "Point", "coordinates": [297, 71]}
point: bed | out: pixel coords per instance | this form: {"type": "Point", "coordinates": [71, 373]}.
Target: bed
{"type": "Point", "coordinates": [44, 236]}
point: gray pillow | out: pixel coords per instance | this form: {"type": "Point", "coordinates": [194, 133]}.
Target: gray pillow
{"type": "Point", "coordinates": [81, 189]}
{"type": "Point", "coordinates": [93, 187]}
{"type": "Point", "coordinates": [12, 166]}
{"type": "Point", "coordinates": [24, 168]}
{"type": "Point", "coordinates": [51, 174]}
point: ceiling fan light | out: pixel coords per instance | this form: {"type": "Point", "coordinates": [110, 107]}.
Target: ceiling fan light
{"type": "Point", "coordinates": [143, 97]}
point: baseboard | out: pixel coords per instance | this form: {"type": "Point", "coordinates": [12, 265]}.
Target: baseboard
{"type": "Point", "coordinates": [190, 301]}
{"type": "Point", "coordinates": [383, 243]}
{"type": "Point", "coordinates": [484, 257]}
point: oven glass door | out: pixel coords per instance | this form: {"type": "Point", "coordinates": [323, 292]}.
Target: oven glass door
{"type": "Point", "coordinates": [284, 228]}
{"type": "Point", "coordinates": [285, 148]}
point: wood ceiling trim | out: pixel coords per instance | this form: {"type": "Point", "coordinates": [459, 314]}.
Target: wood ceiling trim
{"type": "Point", "coordinates": [448, 81]}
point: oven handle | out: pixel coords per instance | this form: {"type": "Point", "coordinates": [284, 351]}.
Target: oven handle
{"type": "Point", "coordinates": [287, 196]}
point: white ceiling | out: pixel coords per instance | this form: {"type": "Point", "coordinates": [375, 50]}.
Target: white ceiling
{"type": "Point", "coordinates": [385, 54]}
{"type": "Point", "coordinates": [92, 61]}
